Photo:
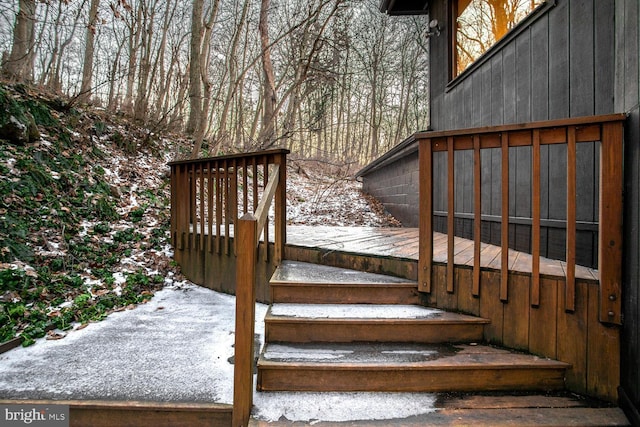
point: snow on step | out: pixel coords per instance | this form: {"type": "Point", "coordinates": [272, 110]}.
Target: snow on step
{"type": "Point", "coordinates": [302, 272]}
{"type": "Point", "coordinates": [368, 322]}
{"type": "Point", "coordinates": [403, 368]}
{"type": "Point", "coordinates": [418, 355]}
{"type": "Point", "coordinates": [354, 311]}
{"type": "Point", "coordinates": [354, 353]}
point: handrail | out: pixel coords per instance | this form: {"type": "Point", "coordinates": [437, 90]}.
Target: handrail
{"type": "Point", "coordinates": [204, 217]}
{"type": "Point", "coordinates": [262, 211]}
{"type": "Point", "coordinates": [209, 195]}
{"type": "Point", "coordinates": [607, 129]}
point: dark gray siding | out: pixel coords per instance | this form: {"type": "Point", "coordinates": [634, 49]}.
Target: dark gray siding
{"type": "Point", "coordinates": [396, 186]}
{"type": "Point", "coordinates": [627, 78]}
{"type": "Point", "coordinates": [558, 66]}
{"type": "Point", "coordinates": [579, 58]}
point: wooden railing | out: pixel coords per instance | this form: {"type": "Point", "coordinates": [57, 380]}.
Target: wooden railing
{"type": "Point", "coordinates": [608, 130]}
{"type": "Point", "coordinates": [208, 196]}
{"type": "Point", "coordinates": [218, 188]}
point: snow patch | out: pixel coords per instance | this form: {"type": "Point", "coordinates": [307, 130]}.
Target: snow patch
{"type": "Point", "coordinates": [356, 311]}
{"type": "Point", "coordinates": [338, 407]}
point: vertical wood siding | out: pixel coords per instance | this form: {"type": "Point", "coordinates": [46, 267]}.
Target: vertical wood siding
{"type": "Point", "coordinates": [627, 78]}
{"type": "Point", "coordinates": [560, 66]}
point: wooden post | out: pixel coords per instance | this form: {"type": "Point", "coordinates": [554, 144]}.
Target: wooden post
{"type": "Point", "coordinates": [280, 210]}
{"type": "Point", "coordinates": [570, 283]}
{"type": "Point", "coordinates": [182, 208]}
{"type": "Point", "coordinates": [477, 216]}
{"type": "Point", "coordinates": [451, 214]}
{"type": "Point", "coordinates": [425, 258]}
{"type": "Point", "coordinates": [192, 229]}
{"type": "Point", "coordinates": [174, 205]}
{"type": "Point", "coordinates": [504, 234]}
{"type": "Point", "coordinates": [535, 220]}
{"type": "Point", "coordinates": [246, 234]}
{"type": "Point", "coordinates": [610, 236]}
{"type": "Point", "coordinates": [265, 230]}
{"type": "Point", "coordinates": [201, 200]}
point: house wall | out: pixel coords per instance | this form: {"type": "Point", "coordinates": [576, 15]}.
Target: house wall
{"type": "Point", "coordinates": [627, 97]}
{"type": "Point", "coordinates": [557, 66]}
{"type": "Point", "coordinates": [560, 64]}
{"type": "Point", "coordinates": [578, 58]}
{"type": "Point", "coordinates": [396, 186]}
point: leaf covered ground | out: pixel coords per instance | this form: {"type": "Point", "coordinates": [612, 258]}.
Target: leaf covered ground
{"type": "Point", "coordinates": [84, 213]}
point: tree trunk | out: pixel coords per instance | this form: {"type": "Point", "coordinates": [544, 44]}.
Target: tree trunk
{"type": "Point", "coordinates": [19, 65]}
{"type": "Point", "coordinates": [134, 40]}
{"type": "Point", "coordinates": [87, 66]}
{"type": "Point", "coordinates": [195, 79]}
{"type": "Point", "coordinates": [267, 130]}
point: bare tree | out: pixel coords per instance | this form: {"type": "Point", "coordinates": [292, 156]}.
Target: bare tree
{"type": "Point", "coordinates": [19, 64]}
{"type": "Point", "coordinates": [266, 137]}
{"type": "Point", "coordinates": [87, 67]}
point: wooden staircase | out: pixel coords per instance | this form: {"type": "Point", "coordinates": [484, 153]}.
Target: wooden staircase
{"type": "Point", "coordinates": [333, 329]}
{"type": "Point", "coordinates": [337, 330]}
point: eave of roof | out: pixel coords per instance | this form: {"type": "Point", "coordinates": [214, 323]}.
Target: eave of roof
{"type": "Point", "coordinates": [404, 7]}
{"type": "Point", "coordinates": [406, 147]}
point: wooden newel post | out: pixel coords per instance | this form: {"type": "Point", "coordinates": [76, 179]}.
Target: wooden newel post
{"type": "Point", "coordinates": [610, 236]}
{"type": "Point", "coordinates": [246, 236]}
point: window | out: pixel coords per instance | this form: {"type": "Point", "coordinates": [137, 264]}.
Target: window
{"type": "Point", "coordinates": [479, 24]}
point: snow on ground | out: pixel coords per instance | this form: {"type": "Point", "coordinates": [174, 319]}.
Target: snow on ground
{"type": "Point", "coordinates": [177, 347]}
{"type": "Point", "coordinates": [318, 194]}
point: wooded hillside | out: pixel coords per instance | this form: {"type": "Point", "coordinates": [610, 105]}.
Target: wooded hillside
{"type": "Point", "coordinates": [325, 78]}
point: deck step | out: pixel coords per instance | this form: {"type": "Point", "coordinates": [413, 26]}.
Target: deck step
{"type": "Point", "coordinates": [403, 368]}
{"type": "Point", "coordinates": [303, 323]}
{"type": "Point", "coordinates": [467, 409]}
{"type": "Point", "coordinates": [300, 282]}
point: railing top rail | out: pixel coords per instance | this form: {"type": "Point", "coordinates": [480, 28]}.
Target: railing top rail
{"type": "Point", "coordinates": [576, 121]}
{"type": "Point", "coordinates": [275, 151]}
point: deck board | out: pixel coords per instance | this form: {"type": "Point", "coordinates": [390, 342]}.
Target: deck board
{"type": "Point", "coordinates": [392, 242]}
{"type": "Point", "coordinates": [403, 243]}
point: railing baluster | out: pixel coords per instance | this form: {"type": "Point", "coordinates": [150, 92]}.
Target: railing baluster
{"type": "Point", "coordinates": [426, 215]}
{"type": "Point", "coordinates": [193, 225]}
{"type": "Point", "coordinates": [210, 206]}
{"type": "Point", "coordinates": [280, 209]}
{"type": "Point", "coordinates": [184, 204]}
{"type": "Point", "coordinates": [265, 248]}
{"type": "Point", "coordinates": [451, 190]}
{"type": "Point", "coordinates": [504, 235]}
{"type": "Point", "coordinates": [254, 178]}
{"type": "Point", "coordinates": [219, 182]}
{"type": "Point", "coordinates": [477, 216]}
{"type": "Point", "coordinates": [245, 189]}
{"type": "Point", "coordinates": [234, 201]}
{"type": "Point", "coordinates": [226, 208]}
{"type": "Point", "coordinates": [201, 200]}
{"type": "Point", "coordinates": [174, 188]}
{"type": "Point", "coordinates": [535, 220]}
{"type": "Point", "coordinates": [570, 284]}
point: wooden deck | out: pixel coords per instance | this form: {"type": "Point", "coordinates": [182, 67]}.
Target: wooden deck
{"type": "Point", "coordinates": [403, 243]}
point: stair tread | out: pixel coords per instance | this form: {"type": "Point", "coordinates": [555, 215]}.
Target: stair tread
{"type": "Point", "coordinates": [365, 312]}
{"type": "Point", "coordinates": [305, 274]}
{"type": "Point", "coordinates": [494, 417]}
{"type": "Point", "coordinates": [401, 355]}
{"type": "Point", "coordinates": [483, 409]}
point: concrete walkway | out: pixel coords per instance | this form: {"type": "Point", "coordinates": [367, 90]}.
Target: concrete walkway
{"type": "Point", "coordinates": [176, 348]}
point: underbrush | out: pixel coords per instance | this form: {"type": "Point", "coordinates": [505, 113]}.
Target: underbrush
{"type": "Point", "coordinates": [83, 222]}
